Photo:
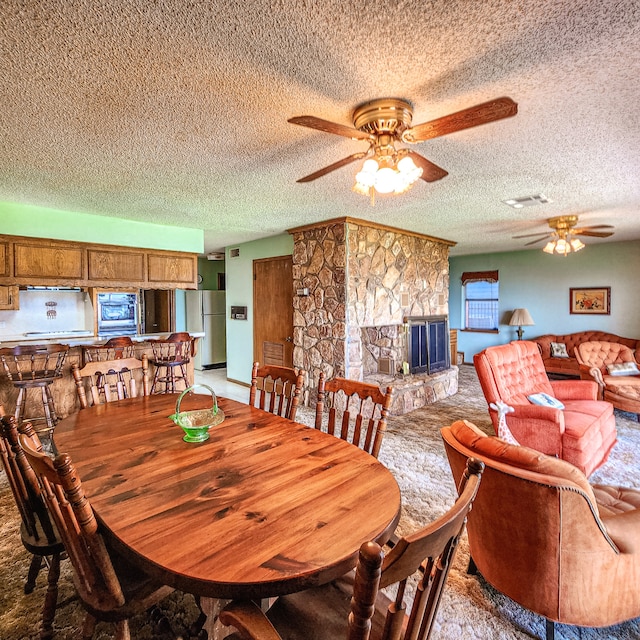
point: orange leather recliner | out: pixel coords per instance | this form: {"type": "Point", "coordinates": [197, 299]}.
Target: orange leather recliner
{"type": "Point", "coordinates": [595, 359]}
{"type": "Point", "coordinates": [583, 433]}
{"type": "Point", "coordinates": [545, 537]}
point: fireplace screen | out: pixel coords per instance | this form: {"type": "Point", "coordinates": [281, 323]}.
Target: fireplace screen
{"type": "Point", "coordinates": [428, 347]}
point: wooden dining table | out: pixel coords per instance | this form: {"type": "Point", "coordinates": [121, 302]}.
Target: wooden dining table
{"type": "Point", "coordinates": [264, 507]}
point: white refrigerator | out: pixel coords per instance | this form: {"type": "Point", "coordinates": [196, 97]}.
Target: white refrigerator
{"type": "Point", "coordinates": [206, 311]}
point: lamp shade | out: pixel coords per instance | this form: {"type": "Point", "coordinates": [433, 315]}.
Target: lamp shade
{"type": "Point", "coordinates": [521, 318]}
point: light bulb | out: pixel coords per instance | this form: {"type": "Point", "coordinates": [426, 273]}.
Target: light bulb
{"type": "Point", "coordinates": [562, 246]}
{"type": "Point", "coordinates": [577, 244]}
{"type": "Point", "coordinates": [385, 180]}
{"type": "Point", "coordinates": [370, 166]}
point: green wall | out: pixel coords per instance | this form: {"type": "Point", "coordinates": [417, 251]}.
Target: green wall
{"type": "Point", "coordinates": [540, 282]}
{"type": "Point", "coordinates": [40, 222]}
{"type": "Point", "coordinates": [239, 277]}
{"type": "Point", "coordinates": [209, 270]}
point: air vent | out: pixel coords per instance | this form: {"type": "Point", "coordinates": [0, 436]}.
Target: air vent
{"type": "Point", "coordinates": [215, 255]}
{"type": "Point", "coordinates": [527, 201]}
{"type": "Point", "coordinates": [234, 253]}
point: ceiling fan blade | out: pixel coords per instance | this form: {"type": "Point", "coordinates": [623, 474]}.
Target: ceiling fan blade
{"type": "Point", "coordinates": [430, 172]}
{"type": "Point", "coordinates": [465, 119]}
{"type": "Point", "coordinates": [593, 234]}
{"type": "Point", "coordinates": [591, 227]}
{"type": "Point", "coordinates": [536, 241]}
{"type": "Point", "coordinates": [334, 166]}
{"type": "Point", "coordinates": [531, 235]}
{"type": "Point", "coordinates": [331, 127]}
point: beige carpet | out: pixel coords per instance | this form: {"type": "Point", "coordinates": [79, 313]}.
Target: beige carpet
{"type": "Point", "coordinates": [413, 450]}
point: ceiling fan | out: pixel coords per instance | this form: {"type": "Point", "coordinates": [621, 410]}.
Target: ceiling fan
{"type": "Point", "coordinates": [383, 123]}
{"type": "Point", "coordinates": [563, 237]}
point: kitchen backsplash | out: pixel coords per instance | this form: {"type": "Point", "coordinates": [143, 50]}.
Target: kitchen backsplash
{"type": "Point", "coordinates": [48, 311]}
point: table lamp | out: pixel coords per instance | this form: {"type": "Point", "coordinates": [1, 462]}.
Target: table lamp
{"type": "Point", "coordinates": [521, 318]}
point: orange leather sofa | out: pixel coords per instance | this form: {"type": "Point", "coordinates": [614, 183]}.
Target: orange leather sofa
{"type": "Point", "coordinates": [583, 433]}
{"type": "Point", "coordinates": [542, 535]}
{"type": "Point", "coordinates": [622, 391]}
{"type": "Point", "coordinates": [569, 366]}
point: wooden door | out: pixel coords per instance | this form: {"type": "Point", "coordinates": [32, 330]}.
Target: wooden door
{"type": "Point", "coordinates": [158, 310]}
{"type": "Point", "coordinates": [273, 311]}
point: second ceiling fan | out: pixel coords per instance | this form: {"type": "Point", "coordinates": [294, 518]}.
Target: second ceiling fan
{"type": "Point", "coordinates": [383, 123]}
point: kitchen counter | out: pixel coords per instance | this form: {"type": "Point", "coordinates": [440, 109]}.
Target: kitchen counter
{"type": "Point", "coordinates": [78, 338]}
{"type": "Point", "coordinates": [64, 390]}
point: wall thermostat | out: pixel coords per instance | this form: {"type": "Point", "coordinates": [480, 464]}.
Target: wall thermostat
{"type": "Point", "coordinates": [238, 313]}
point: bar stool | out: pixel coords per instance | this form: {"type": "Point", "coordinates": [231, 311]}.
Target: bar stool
{"type": "Point", "coordinates": [112, 349]}
{"type": "Point", "coordinates": [32, 367]}
{"type": "Point", "coordinates": [170, 358]}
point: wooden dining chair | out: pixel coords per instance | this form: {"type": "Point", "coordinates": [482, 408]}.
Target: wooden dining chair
{"type": "Point", "coordinates": [37, 532]}
{"type": "Point", "coordinates": [276, 389]}
{"type": "Point", "coordinates": [357, 411]}
{"type": "Point", "coordinates": [109, 588]}
{"type": "Point", "coordinates": [354, 607]}
{"type": "Point", "coordinates": [108, 380]}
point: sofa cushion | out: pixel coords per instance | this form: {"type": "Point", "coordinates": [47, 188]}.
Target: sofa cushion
{"type": "Point", "coordinates": [623, 369]}
{"type": "Point", "coordinates": [559, 350]}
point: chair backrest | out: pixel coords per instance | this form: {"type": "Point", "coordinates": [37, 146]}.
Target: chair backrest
{"type": "Point", "coordinates": [34, 361]}
{"type": "Point", "coordinates": [175, 349]}
{"type": "Point", "coordinates": [510, 372]}
{"type": "Point", "coordinates": [534, 523]}
{"type": "Point", "coordinates": [276, 389]}
{"type": "Point", "coordinates": [24, 486]}
{"type": "Point", "coordinates": [112, 349]}
{"type": "Point", "coordinates": [108, 380]}
{"type": "Point", "coordinates": [357, 411]}
{"type": "Point", "coordinates": [93, 573]}
{"type": "Point", "coordinates": [599, 354]}
{"type": "Point", "coordinates": [429, 551]}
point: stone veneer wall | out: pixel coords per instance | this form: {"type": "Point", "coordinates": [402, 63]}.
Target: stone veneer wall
{"type": "Point", "coordinates": [359, 275]}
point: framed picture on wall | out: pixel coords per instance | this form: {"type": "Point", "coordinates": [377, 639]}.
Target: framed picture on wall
{"type": "Point", "coordinates": [590, 300]}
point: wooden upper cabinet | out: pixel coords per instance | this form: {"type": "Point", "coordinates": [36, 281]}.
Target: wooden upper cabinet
{"type": "Point", "coordinates": [46, 262]}
{"type": "Point", "coordinates": [171, 268]}
{"type": "Point", "coordinates": [56, 262]}
{"type": "Point", "coordinates": [116, 266]}
{"type": "Point", "coordinates": [4, 259]}
{"type": "Point", "coordinates": [9, 298]}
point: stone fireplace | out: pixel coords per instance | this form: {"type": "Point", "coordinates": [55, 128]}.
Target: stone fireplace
{"type": "Point", "coordinates": [356, 283]}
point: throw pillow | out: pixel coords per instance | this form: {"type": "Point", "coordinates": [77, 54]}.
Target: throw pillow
{"type": "Point", "coordinates": [545, 400]}
{"type": "Point", "coordinates": [559, 350]}
{"type": "Point", "coordinates": [623, 369]}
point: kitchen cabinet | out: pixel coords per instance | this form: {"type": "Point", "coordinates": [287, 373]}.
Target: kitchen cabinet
{"type": "Point", "coordinates": [111, 266]}
{"type": "Point", "coordinates": [9, 298]}
{"type": "Point", "coordinates": [170, 268]}
{"type": "Point", "coordinates": [44, 262]}
{"type": "Point", "coordinates": [57, 262]}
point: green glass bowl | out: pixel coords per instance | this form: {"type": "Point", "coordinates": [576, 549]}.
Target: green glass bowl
{"type": "Point", "coordinates": [196, 423]}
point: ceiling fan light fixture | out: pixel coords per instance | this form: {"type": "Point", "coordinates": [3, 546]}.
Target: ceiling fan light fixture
{"type": "Point", "coordinates": [550, 247]}
{"type": "Point", "coordinates": [387, 175]}
{"type": "Point", "coordinates": [576, 244]}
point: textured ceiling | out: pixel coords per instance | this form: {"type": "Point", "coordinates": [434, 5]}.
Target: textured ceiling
{"type": "Point", "coordinates": [175, 111]}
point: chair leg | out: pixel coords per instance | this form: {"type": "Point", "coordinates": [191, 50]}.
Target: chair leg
{"type": "Point", "coordinates": [550, 629]}
{"type": "Point", "coordinates": [88, 627]}
{"type": "Point", "coordinates": [51, 598]}
{"type": "Point", "coordinates": [34, 570]}
{"type": "Point", "coordinates": [122, 630]}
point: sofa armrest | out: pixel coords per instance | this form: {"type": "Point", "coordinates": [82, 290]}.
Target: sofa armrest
{"type": "Point", "coordinates": [537, 427]}
{"type": "Point", "coordinates": [575, 389]}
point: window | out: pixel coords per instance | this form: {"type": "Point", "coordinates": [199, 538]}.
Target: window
{"type": "Point", "coordinates": [480, 300]}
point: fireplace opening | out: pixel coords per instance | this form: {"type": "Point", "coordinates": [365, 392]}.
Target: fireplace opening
{"type": "Point", "coordinates": [427, 344]}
